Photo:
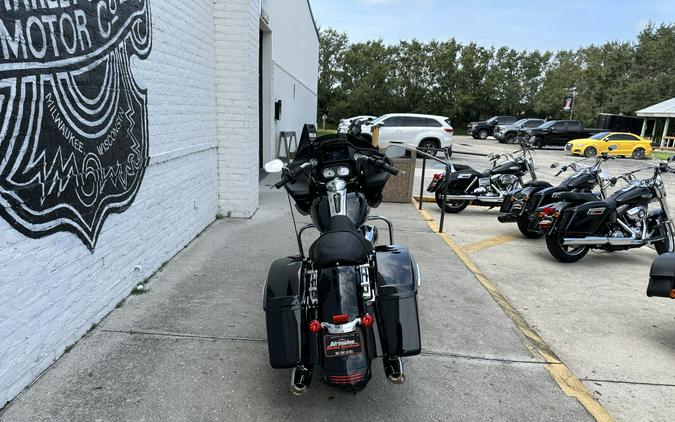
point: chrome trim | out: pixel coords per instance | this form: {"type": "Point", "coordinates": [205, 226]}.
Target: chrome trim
{"type": "Point", "coordinates": [341, 328]}
{"type": "Point", "coordinates": [368, 291]}
{"type": "Point", "coordinates": [390, 225]}
{"type": "Point", "coordinates": [313, 289]}
{"type": "Point", "coordinates": [337, 197]}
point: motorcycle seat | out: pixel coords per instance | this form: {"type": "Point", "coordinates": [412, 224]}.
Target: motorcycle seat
{"type": "Point", "coordinates": [577, 197]}
{"type": "Point", "coordinates": [342, 243]}
{"type": "Point", "coordinates": [538, 183]}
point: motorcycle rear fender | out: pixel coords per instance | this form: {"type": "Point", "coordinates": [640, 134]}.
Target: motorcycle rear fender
{"type": "Point", "coordinates": [282, 302]}
{"type": "Point", "coordinates": [662, 276]}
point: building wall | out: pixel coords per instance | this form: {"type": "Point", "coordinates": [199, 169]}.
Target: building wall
{"type": "Point", "coordinates": [55, 286]}
{"type": "Point", "coordinates": [237, 50]}
{"type": "Point", "coordinates": [295, 67]}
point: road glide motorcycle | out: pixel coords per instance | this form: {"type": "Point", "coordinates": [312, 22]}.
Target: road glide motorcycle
{"type": "Point", "coordinates": [464, 185]}
{"type": "Point", "coordinates": [348, 301]}
{"type": "Point", "coordinates": [622, 221]}
{"type": "Point", "coordinates": [522, 206]}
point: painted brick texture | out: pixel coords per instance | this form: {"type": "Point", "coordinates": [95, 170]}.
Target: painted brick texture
{"type": "Point", "coordinates": [237, 22]}
{"type": "Point", "coordinates": [53, 289]}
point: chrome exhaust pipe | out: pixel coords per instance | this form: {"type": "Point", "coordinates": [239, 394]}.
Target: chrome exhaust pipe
{"type": "Point", "coordinates": [300, 380]}
{"type": "Point", "coordinates": [592, 241]}
{"type": "Point", "coordinates": [494, 199]}
{"type": "Point", "coordinates": [393, 369]}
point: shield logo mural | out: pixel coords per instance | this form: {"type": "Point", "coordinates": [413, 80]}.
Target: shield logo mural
{"type": "Point", "coordinates": [73, 120]}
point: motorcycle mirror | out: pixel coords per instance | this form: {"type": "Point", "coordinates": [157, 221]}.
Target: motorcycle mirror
{"type": "Point", "coordinates": [612, 147]}
{"type": "Point", "coordinates": [274, 166]}
{"type": "Point", "coordinates": [395, 151]}
{"type": "Point", "coordinates": [491, 156]}
{"type": "Point", "coordinates": [555, 165]}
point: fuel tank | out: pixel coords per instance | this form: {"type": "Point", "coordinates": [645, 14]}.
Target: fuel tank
{"type": "Point", "coordinates": [357, 210]}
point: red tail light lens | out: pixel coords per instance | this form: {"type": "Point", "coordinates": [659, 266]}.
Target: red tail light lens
{"type": "Point", "coordinates": [449, 129]}
{"type": "Point", "coordinates": [314, 326]}
{"type": "Point", "coordinates": [340, 319]}
{"type": "Point", "coordinates": [367, 320]}
{"type": "Point", "coordinates": [549, 211]}
{"type": "Point", "coordinates": [438, 176]}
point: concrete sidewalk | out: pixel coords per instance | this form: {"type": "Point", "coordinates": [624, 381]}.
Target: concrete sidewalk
{"type": "Point", "coordinates": [193, 347]}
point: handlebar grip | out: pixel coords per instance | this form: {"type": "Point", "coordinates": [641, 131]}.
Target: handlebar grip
{"type": "Point", "coordinates": [281, 183]}
{"type": "Point", "coordinates": [389, 169]}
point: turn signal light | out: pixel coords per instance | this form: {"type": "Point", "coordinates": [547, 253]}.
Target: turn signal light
{"type": "Point", "coordinates": [672, 294]}
{"type": "Point", "coordinates": [367, 320]}
{"type": "Point", "coordinates": [549, 210]}
{"type": "Point", "coordinates": [340, 319]}
{"type": "Point", "coordinates": [314, 326]}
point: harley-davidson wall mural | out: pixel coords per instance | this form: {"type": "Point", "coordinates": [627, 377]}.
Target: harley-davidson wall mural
{"type": "Point", "coordinates": [73, 121]}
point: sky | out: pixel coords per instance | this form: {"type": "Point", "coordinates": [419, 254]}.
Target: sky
{"type": "Point", "coordinates": [520, 24]}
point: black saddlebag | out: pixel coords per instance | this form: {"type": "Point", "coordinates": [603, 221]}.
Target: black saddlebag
{"type": "Point", "coordinates": [281, 302]}
{"type": "Point", "coordinates": [584, 219]}
{"type": "Point", "coordinates": [397, 301]}
{"type": "Point", "coordinates": [662, 276]}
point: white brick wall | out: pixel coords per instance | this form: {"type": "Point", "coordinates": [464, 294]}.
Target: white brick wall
{"type": "Point", "coordinates": [52, 290]}
{"type": "Point", "coordinates": [237, 23]}
{"type": "Point", "coordinates": [202, 85]}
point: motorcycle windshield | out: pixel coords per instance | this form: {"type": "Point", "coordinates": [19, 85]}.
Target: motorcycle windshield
{"type": "Point", "coordinates": [307, 146]}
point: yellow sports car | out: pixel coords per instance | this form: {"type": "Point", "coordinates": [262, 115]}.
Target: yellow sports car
{"type": "Point", "coordinates": [627, 145]}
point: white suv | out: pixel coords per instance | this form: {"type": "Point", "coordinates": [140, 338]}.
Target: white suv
{"type": "Point", "coordinates": [422, 130]}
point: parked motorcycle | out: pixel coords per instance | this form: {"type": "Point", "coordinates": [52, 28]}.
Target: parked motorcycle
{"type": "Point", "coordinates": [465, 186]}
{"type": "Point", "coordinates": [622, 221]}
{"type": "Point", "coordinates": [522, 206]}
{"type": "Point", "coordinates": [348, 301]}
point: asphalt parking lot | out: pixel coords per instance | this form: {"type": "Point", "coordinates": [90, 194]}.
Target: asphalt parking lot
{"type": "Point", "coordinates": [594, 313]}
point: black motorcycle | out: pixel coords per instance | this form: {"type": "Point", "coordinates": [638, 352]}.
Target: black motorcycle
{"type": "Point", "coordinates": [348, 301]}
{"type": "Point", "coordinates": [622, 221]}
{"type": "Point", "coordinates": [523, 206]}
{"type": "Point", "coordinates": [465, 186]}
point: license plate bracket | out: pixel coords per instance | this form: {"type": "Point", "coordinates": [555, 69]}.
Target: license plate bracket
{"type": "Point", "coordinates": [341, 345]}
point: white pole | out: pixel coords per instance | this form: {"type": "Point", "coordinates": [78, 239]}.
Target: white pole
{"type": "Point", "coordinates": [665, 130]}
{"type": "Point", "coordinates": [644, 128]}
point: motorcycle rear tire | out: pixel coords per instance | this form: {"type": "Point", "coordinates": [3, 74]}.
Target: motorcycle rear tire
{"type": "Point", "coordinates": [523, 224]}
{"type": "Point", "coordinates": [452, 208]}
{"type": "Point", "coordinates": [555, 247]}
{"type": "Point", "coordinates": [662, 246]}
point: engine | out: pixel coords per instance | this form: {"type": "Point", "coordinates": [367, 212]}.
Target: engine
{"type": "Point", "coordinates": [506, 181]}
{"type": "Point", "coordinates": [636, 214]}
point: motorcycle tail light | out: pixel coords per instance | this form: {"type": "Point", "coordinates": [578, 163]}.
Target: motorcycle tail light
{"type": "Point", "coordinates": [548, 211]}
{"type": "Point", "coordinates": [437, 176]}
{"type": "Point", "coordinates": [672, 294]}
{"type": "Point", "coordinates": [314, 326]}
{"type": "Point", "coordinates": [340, 319]}
{"type": "Point", "coordinates": [367, 320]}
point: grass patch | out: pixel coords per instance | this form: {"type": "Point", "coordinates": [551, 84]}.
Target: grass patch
{"type": "Point", "coordinates": [662, 155]}
{"type": "Point", "coordinates": [322, 132]}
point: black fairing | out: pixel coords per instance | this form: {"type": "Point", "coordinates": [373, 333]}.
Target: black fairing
{"type": "Point", "coordinates": [357, 210]}
{"type": "Point", "coordinates": [397, 301]}
{"type": "Point", "coordinates": [577, 220]}
{"type": "Point", "coordinates": [662, 276]}
{"type": "Point", "coordinates": [282, 305]}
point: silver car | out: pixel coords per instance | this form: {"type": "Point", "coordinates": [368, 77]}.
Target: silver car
{"type": "Point", "coordinates": [507, 133]}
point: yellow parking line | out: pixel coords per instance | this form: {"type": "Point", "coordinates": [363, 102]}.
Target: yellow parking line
{"type": "Point", "coordinates": [560, 373]}
{"type": "Point", "coordinates": [488, 243]}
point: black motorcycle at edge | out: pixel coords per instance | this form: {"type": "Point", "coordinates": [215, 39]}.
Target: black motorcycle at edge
{"type": "Point", "coordinates": [622, 221]}
{"type": "Point", "coordinates": [465, 186]}
{"type": "Point", "coordinates": [349, 300]}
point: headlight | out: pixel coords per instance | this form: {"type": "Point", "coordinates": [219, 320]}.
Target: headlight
{"type": "Point", "coordinates": [343, 171]}
{"type": "Point", "coordinates": [328, 173]}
